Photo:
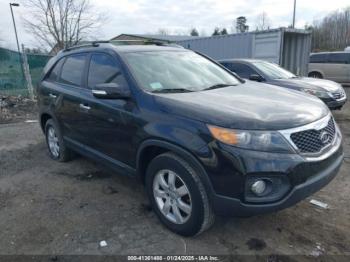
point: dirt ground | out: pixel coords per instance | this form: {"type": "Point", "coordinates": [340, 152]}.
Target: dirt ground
{"type": "Point", "coordinates": [49, 208]}
{"type": "Point", "coordinates": [16, 108]}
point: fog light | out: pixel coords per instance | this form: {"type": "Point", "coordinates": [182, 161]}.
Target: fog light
{"type": "Point", "coordinates": [258, 187]}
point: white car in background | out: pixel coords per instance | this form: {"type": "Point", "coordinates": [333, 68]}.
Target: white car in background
{"type": "Point", "coordinates": [331, 65]}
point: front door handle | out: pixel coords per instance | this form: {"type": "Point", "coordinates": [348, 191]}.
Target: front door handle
{"type": "Point", "coordinates": [52, 95]}
{"type": "Point", "coordinates": [85, 107]}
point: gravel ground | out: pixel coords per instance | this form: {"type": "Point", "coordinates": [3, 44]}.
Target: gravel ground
{"type": "Point", "coordinates": [49, 208]}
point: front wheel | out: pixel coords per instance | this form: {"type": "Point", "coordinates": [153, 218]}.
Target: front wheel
{"type": "Point", "coordinates": [177, 195]}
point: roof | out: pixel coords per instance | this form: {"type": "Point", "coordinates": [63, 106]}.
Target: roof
{"type": "Point", "coordinates": [170, 38]}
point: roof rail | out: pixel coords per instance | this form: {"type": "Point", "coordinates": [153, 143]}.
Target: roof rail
{"type": "Point", "coordinates": [91, 44]}
{"type": "Point", "coordinates": [122, 42]}
{"type": "Point", "coordinates": [146, 42]}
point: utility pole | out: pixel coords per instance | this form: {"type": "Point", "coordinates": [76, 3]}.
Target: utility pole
{"type": "Point", "coordinates": [295, 3]}
{"type": "Point", "coordinates": [19, 50]}
{"type": "Point", "coordinates": [27, 75]}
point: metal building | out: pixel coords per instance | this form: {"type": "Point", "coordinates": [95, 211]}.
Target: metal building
{"type": "Point", "coordinates": [287, 47]}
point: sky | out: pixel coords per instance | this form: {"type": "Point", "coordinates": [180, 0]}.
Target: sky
{"type": "Point", "coordinates": [177, 16]}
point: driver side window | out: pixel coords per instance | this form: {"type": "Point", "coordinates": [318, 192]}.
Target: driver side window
{"type": "Point", "coordinates": [104, 69]}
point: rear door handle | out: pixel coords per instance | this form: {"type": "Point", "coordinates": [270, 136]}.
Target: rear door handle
{"type": "Point", "coordinates": [84, 106]}
{"type": "Point", "coordinates": [52, 95]}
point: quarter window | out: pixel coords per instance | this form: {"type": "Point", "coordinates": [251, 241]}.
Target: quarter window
{"type": "Point", "coordinates": [72, 70]}
{"type": "Point", "coordinates": [52, 77]}
{"type": "Point", "coordinates": [104, 69]}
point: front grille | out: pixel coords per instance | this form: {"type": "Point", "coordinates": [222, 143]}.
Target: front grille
{"type": "Point", "coordinates": [313, 141]}
{"type": "Point", "coordinates": [338, 95]}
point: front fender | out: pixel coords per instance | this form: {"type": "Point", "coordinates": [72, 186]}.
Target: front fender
{"type": "Point", "coordinates": [183, 153]}
{"type": "Point", "coordinates": [182, 134]}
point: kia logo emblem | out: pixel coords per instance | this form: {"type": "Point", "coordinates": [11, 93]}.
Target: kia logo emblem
{"type": "Point", "coordinates": [325, 137]}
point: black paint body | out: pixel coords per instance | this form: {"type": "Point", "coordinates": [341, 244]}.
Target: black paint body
{"type": "Point", "coordinates": [124, 133]}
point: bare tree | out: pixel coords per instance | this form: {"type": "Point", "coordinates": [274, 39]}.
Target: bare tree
{"type": "Point", "coordinates": [61, 23]}
{"type": "Point", "coordinates": [332, 32]}
{"type": "Point", "coordinates": [262, 22]}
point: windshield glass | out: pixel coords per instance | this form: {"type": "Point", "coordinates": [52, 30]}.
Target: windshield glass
{"type": "Point", "coordinates": [273, 71]}
{"type": "Point", "coordinates": [182, 71]}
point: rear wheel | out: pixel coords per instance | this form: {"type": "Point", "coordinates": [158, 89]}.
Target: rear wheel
{"type": "Point", "coordinates": [177, 195]}
{"type": "Point", "coordinates": [57, 149]}
{"type": "Point", "coordinates": [315, 75]}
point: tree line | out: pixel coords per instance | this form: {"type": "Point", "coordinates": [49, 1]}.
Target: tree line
{"type": "Point", "coordinates": [332, 32]}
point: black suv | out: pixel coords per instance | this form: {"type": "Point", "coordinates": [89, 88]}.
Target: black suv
{"type": "Point", "coordinates": [202, 140]}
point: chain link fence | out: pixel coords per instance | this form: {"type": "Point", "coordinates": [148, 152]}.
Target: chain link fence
{"type": "Point", "coordinates": [12, 73]}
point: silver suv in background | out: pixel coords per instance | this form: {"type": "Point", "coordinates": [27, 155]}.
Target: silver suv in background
{"type": "Point", "coordinates": [331, 65]}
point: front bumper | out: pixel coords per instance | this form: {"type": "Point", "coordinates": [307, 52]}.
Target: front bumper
{"type": "Point", "coordinates": [305, 178]}
{"type": "Point", "coordinates": [335, 103]}
{"type": "Point", "coordinates": [235, 207]}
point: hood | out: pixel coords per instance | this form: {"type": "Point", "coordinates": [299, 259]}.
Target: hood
{"type": "Point", "coordinates": [308, 82]}
{"type": "Point", "coordinates": [251, 105]}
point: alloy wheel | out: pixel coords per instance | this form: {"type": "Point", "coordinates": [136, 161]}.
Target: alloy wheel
{"type": "Point", "coordinates": [172, 196]}
{"type": "Point", "coordinates": [52, 140]}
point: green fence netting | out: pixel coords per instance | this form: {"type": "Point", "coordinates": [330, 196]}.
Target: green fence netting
{"type": "Point", "coordinates": [12, 81]}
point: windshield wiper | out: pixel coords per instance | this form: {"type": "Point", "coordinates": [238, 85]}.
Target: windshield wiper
{"type": "Point", "coordinates": [172, 90]}
{"type": "Point", "coordinates": [217, 86]}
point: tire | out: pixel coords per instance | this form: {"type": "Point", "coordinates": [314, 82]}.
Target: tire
{"type": "Point", "coordinates": [194, 220]}
{"type": "Point", "coordinates": [315, 75]}
{"type": "Point", "coordinates": [59, 152]}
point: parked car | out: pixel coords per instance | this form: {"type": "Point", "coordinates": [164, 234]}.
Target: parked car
{"type": "Point", "coordinates": [329, 92]}
{"type": "Point", "coordinates": [201, 140]}
{"type": "Point", "coordinates": [334, 66]}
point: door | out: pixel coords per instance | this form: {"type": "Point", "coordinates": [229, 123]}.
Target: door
{"type": "Point", "coordinates": [337, 67]}
{"type": "Point", "coordinates": [71, 106]}
{"type": "Point", "coordinates": [49, 88]}
{"type": "Point", "coordinates": [111, 126]}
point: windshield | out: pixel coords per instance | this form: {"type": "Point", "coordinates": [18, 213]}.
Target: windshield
{"type": "Point", "coordinates": [273, 71]}
{"type": "Point", "coordinates": [181, 71]}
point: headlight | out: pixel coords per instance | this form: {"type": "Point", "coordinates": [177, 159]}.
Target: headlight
{"type": "Point", "coordinates": [321, 94]}
{"type": "Point", "coordinates": [270, 141]}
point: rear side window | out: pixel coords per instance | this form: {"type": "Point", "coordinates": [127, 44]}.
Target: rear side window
{"type": "Point", "coordinates": [52, 77]}
{"type": "Point", "coordinates": [318, 58]}
{"type": "Point", "coordinates": [339, 58]}
{"type": "Point", "coordinates": [72, 70]}
{"type": "Point", "coordinates": [242, 70]}
{"type": "Point", "coordinates": [104, 69]}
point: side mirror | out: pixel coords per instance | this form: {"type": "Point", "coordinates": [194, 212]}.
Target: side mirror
{"type": "Point", "coordinates": [111, 91]}
{"type": "Point", "coordinates": [255, 77]}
